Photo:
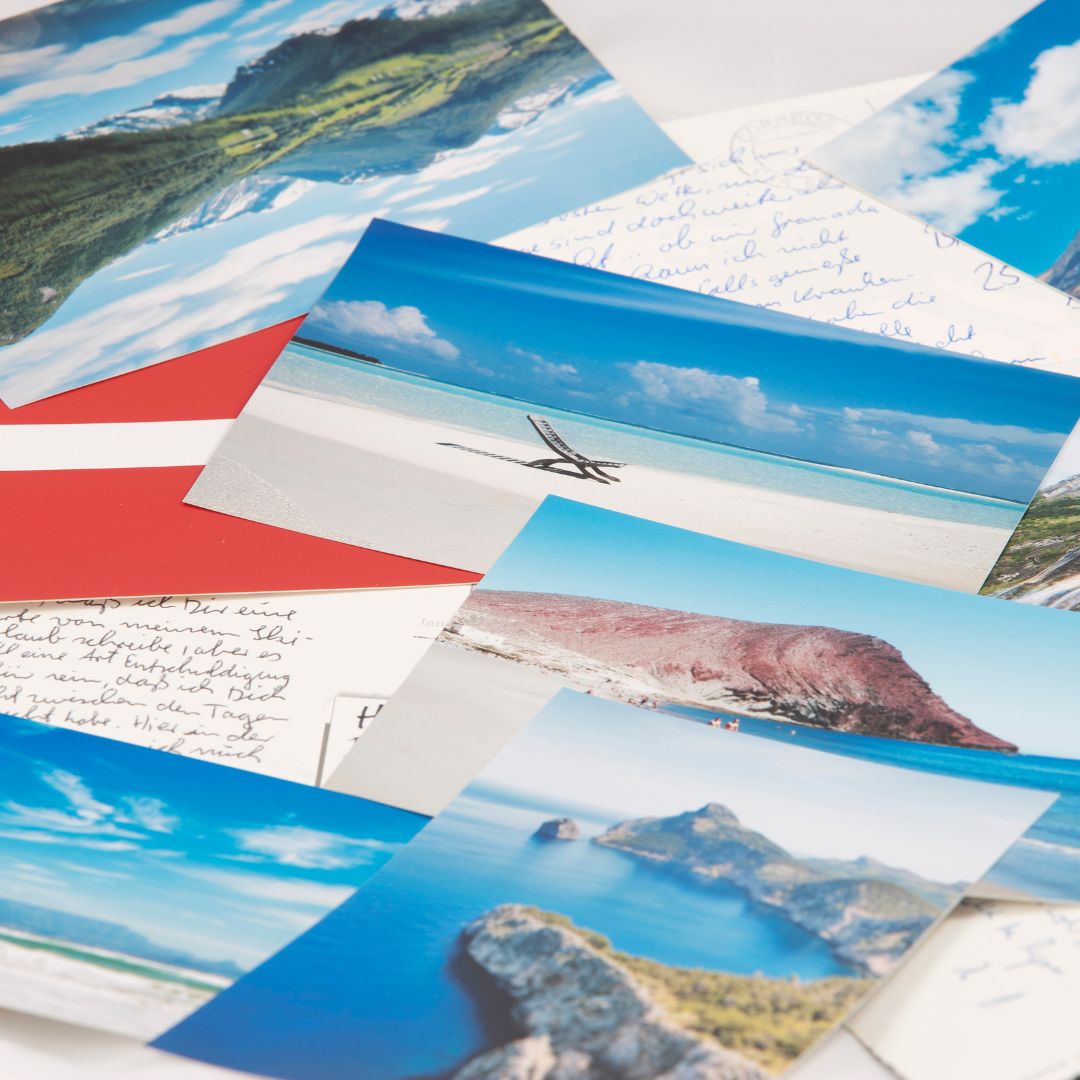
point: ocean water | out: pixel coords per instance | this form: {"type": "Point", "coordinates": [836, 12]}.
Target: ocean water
{"type": "Point", "coordinates": [316, 371]}
{"type": "Point", "coordinates": [377, 991]}
{"type": "Point", "coordinates": [1046, 860]}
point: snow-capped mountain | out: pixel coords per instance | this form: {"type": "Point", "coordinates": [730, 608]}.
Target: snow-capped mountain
{"type": "Point", "coordinates": [252, 195]}
{"type": "Point", "coordinates": [177, 107]}
{"type": "Point", "coordinates": [421, 9]}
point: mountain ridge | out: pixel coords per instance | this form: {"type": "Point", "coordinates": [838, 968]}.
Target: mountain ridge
{"type": "Point", "coordinates": [836, 679]}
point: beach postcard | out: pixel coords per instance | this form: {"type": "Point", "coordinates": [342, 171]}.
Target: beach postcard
{"type": "Point", "coordinates": [178, 173]}
{"type": "Point", "coordinates": [136, 885]}
{"type": "Point", "coordinates": [988, 150]}
{"type": "Point", "coordinates": [733, 638]}
{"type": "Point", "coordinates": [1041, 562]}
{"type": "Point", "coordinates": [621, 895]}
{"type": "Point", "coordinates": [442, 388]}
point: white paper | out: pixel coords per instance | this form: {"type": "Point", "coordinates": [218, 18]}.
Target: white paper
{"type": "Point", "coordinates": [247, 681]}
{"type": "Point", "coordinates": [751, 222]}
{"type": "Point", "coordinates": [993, 994]}
{"type": "Point", "coordinates": [349, 719]}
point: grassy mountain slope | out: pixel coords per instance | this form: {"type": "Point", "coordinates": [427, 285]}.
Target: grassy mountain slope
{"type": "Point", "coordinates": [378, 96]}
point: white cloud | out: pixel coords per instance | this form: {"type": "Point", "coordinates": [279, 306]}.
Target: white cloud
{"type": "Point", "coordinates": [308, 849]}
{"type": "Point", "coordinates": [150, 814]}
{"type": "Point", "coordinates": [1043, 127]}
{"type": "Point", "coordinates": [724, 397]}
{"type": "Point", "coordinates": [902, 141]}
{"type": "Point", "coordinates": [330, 15]}
{"type": "Point", "coordinates": [961, 428]}
{"type": "Point", "coordinates": [556, 371]}
{"type": "Point", "coordinates": [186, 312]}
{"type": "Point", "coordinates": [113, 62]}
{"type": "Point", "coordinates": [955, 200]}
{"type": "Point", "coordinates": [310, 894]}
{"type": "Point", "coordinates": [260, 12]}
{"type": "Point", "coordinates": [111, 75]}
{"type": "Point", "coordinates": [31, 836]}
{"type": "Point", "coordinates": [449, 200]}
{"type": "Point", "coordinates": [404, 326]}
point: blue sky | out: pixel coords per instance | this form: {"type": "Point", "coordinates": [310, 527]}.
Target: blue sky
{"type": "Point", "coordinates": [589, 341]}
{"type": "Point", "coordinates": [231, 273]}
{"type": "Point", "coordinates": [1008, 667]}
{"type": "Point", "coordinates": [812, 803]}
{"type": "Point", "coordinates": [216, 862]}
{"type": "Point", "coordinates": [989, 149]}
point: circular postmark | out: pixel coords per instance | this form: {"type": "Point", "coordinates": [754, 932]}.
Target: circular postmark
{"type": "Point", "coordinates": [771, 149]}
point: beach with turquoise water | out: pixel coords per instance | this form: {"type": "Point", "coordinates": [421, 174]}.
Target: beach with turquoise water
{"type": "Point", "coordinates": [323, 372]}
{"type": "Point", "coordinates": [357, 452]}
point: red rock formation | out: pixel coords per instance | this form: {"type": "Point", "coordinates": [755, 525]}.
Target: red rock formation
{"type": "Point", "coordinates": [809, 674]}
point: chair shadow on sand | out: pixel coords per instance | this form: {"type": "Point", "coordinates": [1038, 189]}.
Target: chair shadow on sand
{"type": "Point", "coordinates": [587, 468]}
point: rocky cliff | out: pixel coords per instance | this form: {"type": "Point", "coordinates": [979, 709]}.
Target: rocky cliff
{"type": "Point", "coordinates": [1065, 273]}
{"type": "Point", "coordinates": [585, 1015]}
{"type": "Point", "coordinates": [869, 914]}
{"type": "Point", "coordinates": [808, 674]}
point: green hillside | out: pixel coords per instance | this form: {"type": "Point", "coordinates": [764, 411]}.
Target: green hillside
{"type": "Point", "coordinates": [1048, 531]}
{"type": "Point", "coordinates": [378, 97]}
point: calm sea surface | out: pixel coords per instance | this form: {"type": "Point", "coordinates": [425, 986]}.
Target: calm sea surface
{"type": "Point", "coordinates": [315, 371]}
{"type": "Point", "coordinates": [1045, 862]}
{"type": "Point", "coordinates": [377, 990]}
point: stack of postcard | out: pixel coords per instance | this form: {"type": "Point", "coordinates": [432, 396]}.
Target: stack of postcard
{"type": "Point", "coordinates": [505, 590]}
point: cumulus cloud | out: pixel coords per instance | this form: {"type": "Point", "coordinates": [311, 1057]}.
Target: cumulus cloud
{"type": "Point", "coordinates": [961, 428]}
{"type": "Point", "coordinates": [307, 849]}
{"type": "Point", "coordinates": [188, 311]}
{"type": "Point", "coordinates": [1044, 126]}
{"type": "Point", "coordinates": [113, 62]}
{"type": "Point", "coordinates": [723, 397]}
{"type": "Point", "coordinates": [954, 200]}
{"type": "Point", "coordinates": [902, 141]}
{"type": "Point", "coordinates": [405, 326]}
{"type": "Point", "coordinates": [561, 372]}
{"type": "Point", "coordinates": [150, 814]}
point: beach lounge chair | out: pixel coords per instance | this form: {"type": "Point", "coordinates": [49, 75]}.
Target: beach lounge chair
{"type": "Point", "coordinates": [588, 468]}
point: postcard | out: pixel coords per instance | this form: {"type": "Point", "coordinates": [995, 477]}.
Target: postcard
{"type": "Point", "coordinates": [1039, 563]}
{"type": "Point", "coordinates": [247, 681]}
{"type": "Point", "coordinates": [626, 895]}
{"type": "Point", "coordinates": [991, 971]}
{"type": "Point", "coordinates": [137, 885]}
{"type": "Point", "coordinates": [103, 470]}
{"type": "Point", "coordinates": [987, 149]}
{"type": "Point", "coordinates": [752, 221]}
{"type": "Point", "coordinates": [182, 172]}
{"type": "Point", "coordinates": [442, 388]}
{"type": "Point", "coordinates": [734, 638]}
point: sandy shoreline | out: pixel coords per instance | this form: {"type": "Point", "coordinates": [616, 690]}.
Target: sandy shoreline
{"type": "Point", "coordinates": [397, 484]}
{"type": "Point", "coordinates": [51, 984]}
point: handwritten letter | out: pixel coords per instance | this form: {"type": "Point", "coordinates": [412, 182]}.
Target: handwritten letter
{"type": "Point", "coordinates": [752, 222]}
{"type": "Point", "coordinates": [244, 681]}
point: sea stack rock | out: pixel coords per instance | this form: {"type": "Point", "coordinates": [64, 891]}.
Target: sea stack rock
{"type": "Point", "coordinates": [563, 828]}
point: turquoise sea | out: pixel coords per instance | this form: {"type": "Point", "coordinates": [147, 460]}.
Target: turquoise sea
{"type": "Point", "coordinates": [319, 372]}
{"type": "Point", "coordinates": [378, 990]}
{"type": "Point", "coordinates": [1046, 860]}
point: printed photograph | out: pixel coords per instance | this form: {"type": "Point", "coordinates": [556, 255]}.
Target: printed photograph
{"type": "Point", "coordinates": [442, 388]}
{"type": "Point", "coordinates": [733, 638]}
{"type": "Point", "coordinates": [181, 172]}
{"type": "Point", "coordinates": [987, 150]}
{"type": "Point", "coordinates": [135, 885]}
{"type": "Point", "coordinates": [1041, 562]}
{"type": "Point", "coordinates": [626, 896]}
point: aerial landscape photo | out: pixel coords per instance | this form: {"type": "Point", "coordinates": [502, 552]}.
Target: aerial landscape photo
{"type": "Point", "coordinates": [179, 172]}
{"type": "Point", "coordinates": [623, 895]}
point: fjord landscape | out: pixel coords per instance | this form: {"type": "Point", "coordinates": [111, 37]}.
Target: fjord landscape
{"type": "Point", "coordinates": [378, 96]}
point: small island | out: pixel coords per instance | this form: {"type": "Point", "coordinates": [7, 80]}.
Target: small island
{"type": "Point", "coordinates": [559, 829]}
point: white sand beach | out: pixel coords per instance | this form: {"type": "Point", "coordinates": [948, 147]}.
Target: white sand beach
{"type": "Point", "coordinates": [50, 983]}
{"type": "Point", "coordinates": [394, 483]}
